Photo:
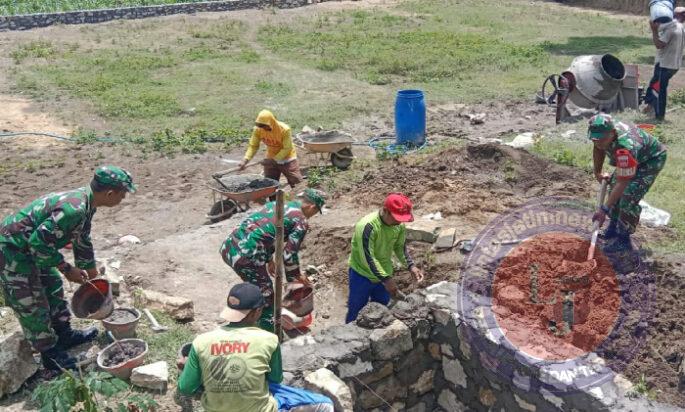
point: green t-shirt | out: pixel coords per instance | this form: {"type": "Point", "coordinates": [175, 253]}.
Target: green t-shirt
{"type": "Point", "coordinates": [373, 245]}
{"type": "Point", "coordinates": [233, 364]}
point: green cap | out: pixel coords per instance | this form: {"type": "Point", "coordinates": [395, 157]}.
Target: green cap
{"type": "Point", "coordinates": [599, 126]}
{"type": "Point", "coordinates": [115, 178]}
{"type": "Point", "coordinates": [318, 197]}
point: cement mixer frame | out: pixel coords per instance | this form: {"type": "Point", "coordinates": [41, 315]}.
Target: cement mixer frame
{"type": "Point", "coordinates": [592, 83]}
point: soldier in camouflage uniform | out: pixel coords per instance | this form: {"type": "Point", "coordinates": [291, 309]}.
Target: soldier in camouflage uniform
{"type": "Point", "coordinates": [30, 261]}
{"type": "Point", "coordinates": [638, 158]}
{"type": "Point", "coordinates": [249, 248]}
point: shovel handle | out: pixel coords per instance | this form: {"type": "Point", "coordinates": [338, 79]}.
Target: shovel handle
{"type": "Point", "coordinates": [151, 318]}
{"type": "Point", "coordinates": [595, 227]}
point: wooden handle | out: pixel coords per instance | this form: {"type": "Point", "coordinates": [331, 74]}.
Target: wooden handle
{"type": "Point", "coordinates": [278, 261]}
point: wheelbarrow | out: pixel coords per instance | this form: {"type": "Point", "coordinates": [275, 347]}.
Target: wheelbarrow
{"type": "Point", "coordinates": [333, 142]}
{"type": "Point", "coordinates": [239, 191]}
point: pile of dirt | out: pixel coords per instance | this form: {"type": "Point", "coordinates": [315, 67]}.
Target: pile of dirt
{"type": "Point", "coordinates": [121, 353]}
{"type": "Point", "coordinates": [476, 181]}
{"type": "Point", "coordinates": [121, 316]}
{"type": "Point", "coordinates": [245, 183]}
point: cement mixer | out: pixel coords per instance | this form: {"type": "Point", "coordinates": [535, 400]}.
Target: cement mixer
{"type": "Point", "coordinates": [592, 83]}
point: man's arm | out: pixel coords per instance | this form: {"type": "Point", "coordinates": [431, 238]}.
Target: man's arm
{"type": "Point", "coordinates": [191, 377]}
{"type": "Point", "coordinates": [84, 256]}
{"type": "Point", "coordinates": [659, 41]}
{"type": "Point", "coordinates": [291, 260]}
{"type": "Point", "coordinates": [43, 241]}
{"type": "Point", "coordinates": [252, 146]}
{"type": "Point", "coordinates": [598, 156]}
{"type": "Point", "coordinates": [287, 146]}
{"type": "Point", "coordinates": [275, 375]}
{"type": "Point", "coordinates": [401, 250]}
{"type": "Point", "coordinates": [617, 192]}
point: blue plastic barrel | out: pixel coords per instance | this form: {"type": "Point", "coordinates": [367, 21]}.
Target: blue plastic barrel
{"type": "Point", "coordinates": [410, 118]}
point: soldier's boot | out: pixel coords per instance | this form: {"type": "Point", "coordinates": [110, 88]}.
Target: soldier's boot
{"type": "Point", "coordinates": [621, 243]}
{"type": "Point", "coordinates": [56, 359]}
{"type": "Point", "coordinates": [611, 231]}
{"type": "Point", "coordinates": [67, 337]}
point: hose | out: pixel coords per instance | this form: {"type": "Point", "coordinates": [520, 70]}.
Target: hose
{"type": "Point", "coordinates": [394, 148]}
{"type": "Point", "coordinates": [53, 135]}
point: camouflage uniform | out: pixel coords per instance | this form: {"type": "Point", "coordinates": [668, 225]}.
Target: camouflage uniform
{"type": "Point", "coordinates": [650, 156]}
{"type": "Point", "coordinates": [251, 246]}
{"type": "Point", "coordinates": [30, 241]}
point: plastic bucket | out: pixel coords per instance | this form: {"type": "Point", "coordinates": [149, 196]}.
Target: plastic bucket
{"type": "Point", "coordinates": [296, 323]}
{"type": "Point", "coordinates": [123, 330]}
{"type": "Point", "coordinates": [93, 300]}
{"type": "Point", "coordinates": [410, 118]}
{"type": "Point", "coordinates": [661, 11]}
{"type": "Point", "coordinates": [122, 370]}
{"type": "Point", "coordinates": [300, 300]}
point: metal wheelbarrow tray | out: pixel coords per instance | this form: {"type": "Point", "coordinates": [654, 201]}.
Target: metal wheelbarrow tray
{"type": "Point", "coordinates": [242, 195]}
{"type": "Point", "coordinates": [331, 141]}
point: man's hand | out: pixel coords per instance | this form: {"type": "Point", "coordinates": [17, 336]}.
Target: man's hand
{"type": "Point", "coordinates": [602, 176]}
{"type": "Point", "coordinates": [76, 275]}
{"type": "Point", "coordinates": [653, 25]}
{"type": "Point", "coordinates": [242, 165]}
{"type": "Point", "coordinates": [599, 217]}
{"type": "Point", "coordinates": [92, 273]}
{"type": "Point", "coordinates": [391, 287]}
{"type": "Point", "coordinates": [417, 273]}
{"type": "Point", "coordinates": [181, 362]}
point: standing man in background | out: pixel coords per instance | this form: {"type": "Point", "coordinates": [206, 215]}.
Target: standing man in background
{"type": "Point", "coordinates": [669, 40]}
{"type": "Point", "coordinates": [281, 157]}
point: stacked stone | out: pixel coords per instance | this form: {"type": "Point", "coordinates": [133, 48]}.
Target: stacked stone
{"type": "Point", "coordinates": [25, 22]}
{"type": "Point", "coordinates": [420, 355]}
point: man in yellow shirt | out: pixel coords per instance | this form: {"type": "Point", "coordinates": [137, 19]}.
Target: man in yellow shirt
{"type": "Point", "coordinates": [281, 157]}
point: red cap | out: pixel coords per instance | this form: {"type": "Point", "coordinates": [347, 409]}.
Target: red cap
{"type": "Point", "coordinates": [399, 207]}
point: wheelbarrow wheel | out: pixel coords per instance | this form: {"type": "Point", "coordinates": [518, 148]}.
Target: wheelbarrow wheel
{"type": "Point", "coordinates": [342, 159]}
{"type": "Point", "coordinates": [222, 210]}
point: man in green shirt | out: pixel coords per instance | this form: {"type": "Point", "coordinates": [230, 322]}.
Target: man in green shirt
{"type": "Point", "coordinates": [238, 366]}
{"type": "Point", "coordinates": [376, 238]}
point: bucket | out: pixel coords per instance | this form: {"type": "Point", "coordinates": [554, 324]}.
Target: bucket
{"type": "Point", "coordinates": [661, 11]}
{"type": "Point", "coordinates": [122, 370]}
{"type": "Point", "coordinates": [93, 300]}
{"type": "Point", "coordinates": [122, 330]}
{"type": "Point", "coordinates": [646, 127]}
{"type": "Point", "coordinates": [299, 300]}
{"type": "Point", "coordinates": [290, 321]}
{"type": "Point", "coordinates": [410, 118]}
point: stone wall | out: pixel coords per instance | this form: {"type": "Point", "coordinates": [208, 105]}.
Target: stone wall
{"type": "Point", "coordinates": [422, 356]}
{"type": "Point", "coordinates": [31, 21]}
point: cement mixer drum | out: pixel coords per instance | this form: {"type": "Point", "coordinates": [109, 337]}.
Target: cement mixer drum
{"type": "Point", "coordinates": [597, 78]}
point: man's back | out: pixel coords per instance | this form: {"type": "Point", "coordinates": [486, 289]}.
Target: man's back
{"type": "Point", "coordinates": [671, 56]}
{"type": "Point", "coordinates": [234, 363]}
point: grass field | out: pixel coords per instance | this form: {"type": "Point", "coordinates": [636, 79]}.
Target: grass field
{"type": "Point", "coordinates": [188, 82]}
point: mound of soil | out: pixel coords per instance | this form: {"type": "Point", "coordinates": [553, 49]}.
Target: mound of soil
{"type": "Point", "coordinates": [121, 353]}
{"type": "Point", "coordinates": [121, 316]}
{"type": "Point", "coordinates": [475, 180]}
{"type": "Point", "coordinates": [245, 183]}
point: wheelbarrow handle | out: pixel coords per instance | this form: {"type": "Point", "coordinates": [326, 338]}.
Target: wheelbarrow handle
{"type": "Point", "coordinates": [223, 173]}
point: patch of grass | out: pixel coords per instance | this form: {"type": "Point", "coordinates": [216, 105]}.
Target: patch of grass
{"type": "Point", "coordinates": [322, 177]}
{"type": "Point", "coordinates": [568, 153]}
{"type": "Point", "coordinates": [164, 346]}
{"type": "Point", "coordinates": [641, 388]}
{"type": "Point", "coordinates": [38, 49]}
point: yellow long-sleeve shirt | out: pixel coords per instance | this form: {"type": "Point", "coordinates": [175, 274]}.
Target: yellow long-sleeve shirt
{"type": "Point", "coordinates": [278, 141]}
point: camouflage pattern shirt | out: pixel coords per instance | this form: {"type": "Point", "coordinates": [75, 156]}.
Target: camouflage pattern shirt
{"type": "Point", "coordinates": [38, 231]}
{"type": "Point", "coordinates": [641, 145]}
{"type": "Point", "coordinates": [255, 238]}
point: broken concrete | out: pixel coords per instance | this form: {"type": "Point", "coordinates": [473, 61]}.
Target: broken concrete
{"type": "Point", "coordinates": [179, 308]}
{"type": "Point", "coordinates": [16, 355]}
{"type": "Point", "coordinates": [423, 231]}
{"type": "Point", "coordinates": [153, 376]}
{"type": "Point", "coordinates": [445, 239]}
{"type": "Point", "coordinates": [324, 381]}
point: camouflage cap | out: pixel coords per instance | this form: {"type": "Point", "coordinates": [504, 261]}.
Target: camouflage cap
{"type": "Point", "coordinates": [318, 197]}
{"type": "Point", "coordinates": [599, 125]}
{"type": "Point", "coordinates": [115, 177]}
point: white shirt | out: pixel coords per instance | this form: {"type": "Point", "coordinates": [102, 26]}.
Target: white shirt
{"type": "Point", "coordinates": [671, 56]}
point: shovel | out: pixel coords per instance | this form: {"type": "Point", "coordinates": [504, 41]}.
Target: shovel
{"type": "Point", "coordinates": [156, 327]}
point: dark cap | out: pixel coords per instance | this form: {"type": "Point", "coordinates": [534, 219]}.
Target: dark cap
{"type": "Point", "coordinates": [242, 298]}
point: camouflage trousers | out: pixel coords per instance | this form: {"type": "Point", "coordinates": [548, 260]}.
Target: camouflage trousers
{"type": "Point", "coordinates": [37, 299]}
{"type": "Point", "coordinates": [627, 211]}
{"type": "Point", "coordinates": [258, 275]}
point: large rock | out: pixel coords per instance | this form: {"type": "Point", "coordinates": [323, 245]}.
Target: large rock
{"type": "Point", "coordinates": [381, 392]}
{"type": "Point", "coordinates": [423, 231]}
{"type": "Point", "coordinates": [154, 376]}
{"type": "Point", "coordinates": [179, 308]}
{"type": "Point", "coordinates": [392, 341]}
{"type": "Point", "coordinates": [16, 356]}
{"type": "Point", "coordinates": [454, 372]}
{"type": "Point", "coordinates": [448, 401]}
{"type": "Point", "coordinates": [374, 316]}
{"type": "Point", "coordinates": [325, 382]}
